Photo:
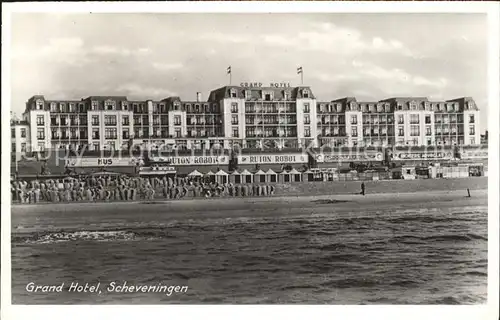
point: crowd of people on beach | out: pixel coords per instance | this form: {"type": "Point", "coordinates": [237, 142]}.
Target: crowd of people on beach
{"type": "Point", "coordinates": [125, 188]}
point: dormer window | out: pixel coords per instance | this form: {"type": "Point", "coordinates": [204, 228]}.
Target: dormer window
{"type": "Point", "coordinates": [413, 105]}
{"type": "Point", "coordinates": [286, 95]}
{"type": "Point", "coordinates": [400, 106]}
{"type": "Point", "coordinates": [53, 107]}
{"type": "Point", "coordinates": [339, 107]}
{"type": "Point", "coordinates": [305, 93]}
{"type": "Point", "coordinates": [268, 96]}
{"type": "Point", "coordinates": [232, 93]}
{"type": "Point", "coordinates": [441, 107]}
{"type": "Point", "coordinates": [380, 108]}
{"type": "Point", "coordinates": [449, 107]}
{"type": "Point", "coordinates": [426, 106]}
{"type": "Point", "coordinates": [109, 105]}
{"type": "Point", "coordinates": [95, 105]}
{"type": "Point", "coordinates": [248, 94]}
{"type": "Point", "coordinates": [39, 104]}
{"type": "Point", "coordinates": [124, 105]}
{"type": "Point", "coordinates": [387, 108]}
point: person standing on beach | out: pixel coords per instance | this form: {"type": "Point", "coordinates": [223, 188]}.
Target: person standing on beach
{"type": "Point", "coordinates": [363, 188]}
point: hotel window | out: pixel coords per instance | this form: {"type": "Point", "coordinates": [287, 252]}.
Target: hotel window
{"type": "Point", "coordinates": [125, 120]}
{"type": "Point", "coordinates": [177, 120]}
{"type": "Point", "coordinates": [234, 107]}
{"type": "Point", "coordinates": [306, 108]}
{"type": "Point", "coordinates": [156, 120]}
{"type": "Point", "coordinates": [307, 119]}
{"type": "Point", "coordinates": [40, 134]}
{"type": "Point", "coordinates": [414, 131]}
{"type": "Point", "coordinates": [23, 133]}
{"type": "Point", "coordinates": [286, 96]}
{"type": "Point", "coordinates": [428, 131]}
{"type": "Point", "coordinates": [232, 93]}
{"type": "Point", "coordinates": [472, 130]}
{"type": "Point", "coordinates": [307, 131]}
{"type": "Point", "coordinates": [72, 132]}
{"type": "Point", "coordinates": [177, 133]}
{"type": "Point", "coordinates": [354, 131]}
{"type": "Point", "coordinates": [12, 133]}
{"type": "Point", "coordinates": [110, 133]}
{"type": "Point", "coordinates": [125, 134]}
{"type": "Point", "coordinates": [110, 120]}
{"type": "Point", "coordinates": [354, 119]}
{"type": "Point", "coordinates": [234, 119]}
{"type": "Point", "coordinates": [41, 146]}
{"type": "Point", "coordinates": [401, 131]}
{"type": "Point", "coordinates": [414, 119]}
{"type": "Point", "coordinates": [471, 118]}
{"type": "Point", "coordinates": [427, 119]}
{"type": "Point", "coordinates": [401, 119]}
{"type": "Point", "coordinates": [40, 120]}
{"type": "Point", "coordinates": [23, 147]}
{"type": "Point", "coordinates": [235, 132]}
{"type": "Point", "coordinates": [305, 93]}
{"type": "Point", "coordinates": [95, 120]}
{"type": "Point", "coordinates": [472, 141]}
{"type": "Point", "coordinates": [95, 105]}
{"type": "Point", "coordinates": [95, 133]}
{"type": "Point", "coordinates": [145, 132]}
{"type": "Point", "coordinates": [53, 107]}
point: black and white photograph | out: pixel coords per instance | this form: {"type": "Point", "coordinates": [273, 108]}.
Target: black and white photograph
{"type": "Point", "coordinates": [249, 158]}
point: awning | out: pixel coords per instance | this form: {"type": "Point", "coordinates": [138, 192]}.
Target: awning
{"type": "Point", "coordinates": [210, 173]}
{"type": "Point", "coordinates": [221, 173]}
{"type": "Point", "coordinates": [106, 173]}
{"type": "Point", "coordinates": [284, 172]}
{"type": "Point", "coordinates": [195, 173]}
{"type": "Point", "coordinates": [260, 172]}
{"type": "Point", "coordinates": [293, 171]}
{"type": "Point", "coordinates": [235, 173]}
{"type": "Point", "coordinates": [246, 173]}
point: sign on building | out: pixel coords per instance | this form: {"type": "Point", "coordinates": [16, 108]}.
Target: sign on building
{"type": "Point", "coordinates": [193, 160]}
{"type": "Point", "coordinates": [272, 158]}
{"type": "Point", "coordinates": [474, 154]}
{"type": "Point", "coordinates": [401, 156]}
{"type": "Point", "coordinates": [102, 162]}
{"type": "Point", "coordinates": [348, 157]}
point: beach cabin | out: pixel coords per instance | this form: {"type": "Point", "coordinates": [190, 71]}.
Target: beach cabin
{"type": "Point", "coordinates": [260, 176]}
{"type": "Point", "coordinates": [195, 175]}
{"type": "Point", "coordinates": [221, 176]}
{"type": "Point", "coordinates": [247, 176]}
{"type": "Point", "coordinates": [271, 176]}
{"type": "Point", "coordinates": [210, 176]}
{"type": "Point", "coordinates": [235, 177]}
{"type": "Point", "coordinates": [295, 175]}
{"type": "Point", "coordinates": [307, 176]}
{"type": "Point", "coordinates": [284, 177]}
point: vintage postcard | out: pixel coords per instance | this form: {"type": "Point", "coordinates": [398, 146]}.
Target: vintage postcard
{"type": "Point", "coordinates": [250, 154]}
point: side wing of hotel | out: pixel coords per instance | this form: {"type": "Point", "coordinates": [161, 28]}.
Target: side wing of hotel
{"type": "Point", "coordinates": [252, 192]}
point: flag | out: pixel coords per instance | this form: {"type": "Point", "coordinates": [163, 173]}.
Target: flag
{"type": "Point", "coordinates": [229, 70]}
{"type": "Point", "coordinates": [299, 70]}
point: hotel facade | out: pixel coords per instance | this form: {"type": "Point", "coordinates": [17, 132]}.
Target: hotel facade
{"type": "Point", "coordinates": [246, 116]}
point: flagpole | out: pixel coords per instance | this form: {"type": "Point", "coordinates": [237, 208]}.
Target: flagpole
{"type": "Point", "coordinates": [302, 77]}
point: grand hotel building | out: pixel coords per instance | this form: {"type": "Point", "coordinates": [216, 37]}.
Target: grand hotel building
{"type": "Point", "coordinates": [250, 116]}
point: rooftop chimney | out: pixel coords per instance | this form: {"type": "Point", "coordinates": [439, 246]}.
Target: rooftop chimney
{"type": "Point", "coordinates": [198, 96]}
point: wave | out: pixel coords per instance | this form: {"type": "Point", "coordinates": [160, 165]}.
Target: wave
{"type": "Point", "coordinates": [444, 238]}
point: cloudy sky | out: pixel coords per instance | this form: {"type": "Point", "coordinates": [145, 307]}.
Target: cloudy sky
{"type": "Point", "coordinates": [151, 56]}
